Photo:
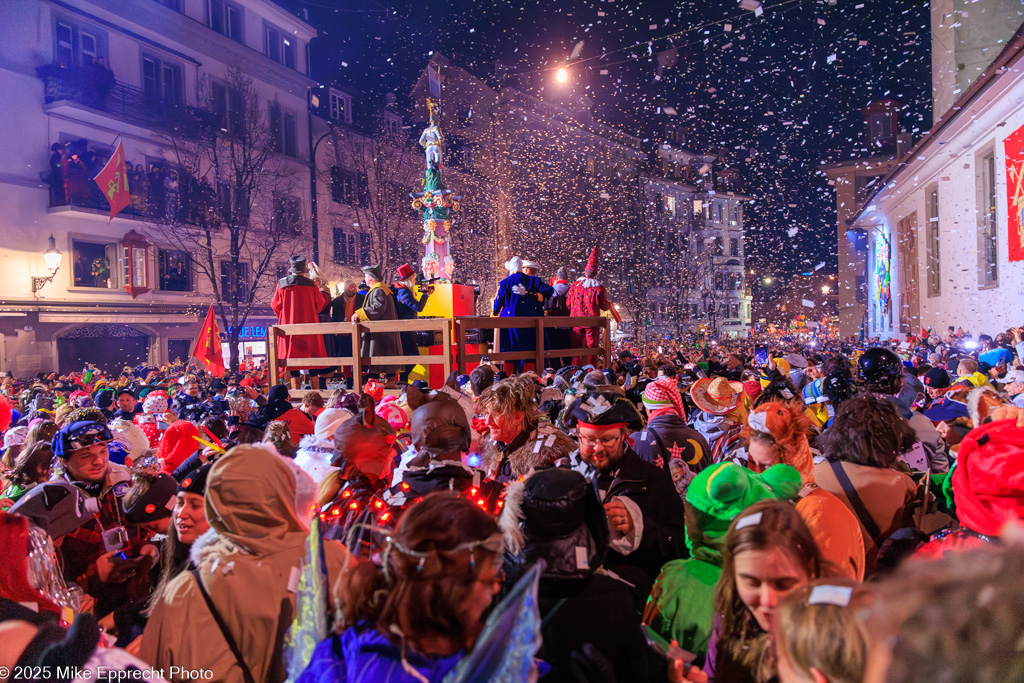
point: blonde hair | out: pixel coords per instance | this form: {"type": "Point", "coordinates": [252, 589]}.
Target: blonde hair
{"type": "Point", "coordinates": [830, 638]}
{"type": "Point", "coordinates": [510, 396]}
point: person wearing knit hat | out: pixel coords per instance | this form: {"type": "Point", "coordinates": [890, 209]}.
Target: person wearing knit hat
{"type": "Point", "coordinates": [987, 484]}
{"type": "Point", "coordinates": [936, 382]}
{"type": "Point", "coordinates": [682, 604]}
{"type": "Point", "coordinates": [777, 433]}
{"type": "Point", "coordinates": [178, 442]}
{"type": "Point", "coordinates": [587, 298]}
{"type": "Point", "coordinates": [668, 441]}
{"type": "Point", "coordinates": [150, 501]}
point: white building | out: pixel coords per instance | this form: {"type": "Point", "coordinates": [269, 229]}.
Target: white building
{"type": "Point", "coordinates": [945, 245]}
{"type": "Point", "coordinates": [163, 54]}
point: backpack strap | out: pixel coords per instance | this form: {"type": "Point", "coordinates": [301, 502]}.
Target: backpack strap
{"type": "Point", "coordinates": [235, 650]}
{"type": "Point", "coordinates": [855, 502]}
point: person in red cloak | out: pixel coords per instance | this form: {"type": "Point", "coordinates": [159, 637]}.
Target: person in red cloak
{"type": "Point", "coordinates": [299, 299]}
{"type": "Point", "coordinates": [587, 297]}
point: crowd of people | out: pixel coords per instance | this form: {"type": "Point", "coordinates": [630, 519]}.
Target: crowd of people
{"type": "Point", "coordinates": [735, 510]}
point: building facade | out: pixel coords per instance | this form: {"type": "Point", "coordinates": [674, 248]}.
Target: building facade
{"type": "Point", "coordinates": [945, 246]}
{"type": "Point", "coordinates": [81, 76]}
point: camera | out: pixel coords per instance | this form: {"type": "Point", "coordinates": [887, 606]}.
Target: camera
{"type": "Point", "coordinates": [425, 289]}
{"type": "Point", "coordinates": [114, 538]}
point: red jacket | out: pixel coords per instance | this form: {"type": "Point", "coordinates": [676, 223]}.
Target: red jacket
{"type": "Point", "coordinates": [298, 300]}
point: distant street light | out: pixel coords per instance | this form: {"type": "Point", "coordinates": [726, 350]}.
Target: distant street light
{"type": "Point", "coordinates": [767, 280]}
{"type": "Point", "coordinates": [825, 289]}
{"type": "Point", "coordinates": [562, 75]}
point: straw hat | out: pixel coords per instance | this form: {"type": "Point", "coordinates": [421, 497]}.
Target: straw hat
{"type": "Point", "coordinates": [716, 395]}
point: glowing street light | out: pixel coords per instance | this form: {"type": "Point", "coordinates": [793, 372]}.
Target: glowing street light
{"type": "Point", "coordinates": [767, 280]}
{"type": "Point", "coordinates": [562, 75]}
{"type": "Point", "coordinates": [825, 289]}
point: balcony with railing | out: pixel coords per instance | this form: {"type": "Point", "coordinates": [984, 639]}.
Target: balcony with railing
{"type": "Point", "coordinates": [94, 87]}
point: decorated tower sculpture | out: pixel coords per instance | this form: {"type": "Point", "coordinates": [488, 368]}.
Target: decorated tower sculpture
{"type": "Point", "coordinates": [436, 202]}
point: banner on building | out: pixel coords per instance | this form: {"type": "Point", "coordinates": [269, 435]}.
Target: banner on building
{"type": "Point", "coordinates": [113, 182]}
{"type": "Point", "coordinates": [1014, 148]}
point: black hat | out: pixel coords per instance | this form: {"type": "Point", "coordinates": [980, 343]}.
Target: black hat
{"type": "Point", "coordinates": [440, 426]}
{"type": "Point", "coordinates": [217, 385]}
{"type": "Point", "coordinates": [126, 390]}
{"type": "Point", "coordinates": [195, 480]}
{"type": "Point", "coordinates": [603, 409]}
{"type": "Point", "coordinates": [936, 378]}
{"type": "Point", "coordinates": [878, 365]}
{"type": "Point", "coordinates": [104, 398]}
{"type": "Point", "coordinates": [376, 272]}
{"type": "Point", "coordinates": [156, 503]}
{"type": "Point", "coordinates": [559, 513]}
{"type": "Point", "coordinates": [297, 264]}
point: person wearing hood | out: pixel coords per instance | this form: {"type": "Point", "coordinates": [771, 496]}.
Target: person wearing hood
{"type": "Point", "coordinates": [777, 433]}
{"type": "Point", "coordinates": [316, 450]}
{"type": "Point", "coordinates": [299, 299]}
{"type": "Point", "coordinates": [682, 602]}
{"type": "Point", "coordinates": [352, 495]}
{"type": "Point", "coordinates": [441, 437]}
{"type": "Point", "coordinates": [556, 517]}
{"type": "Point", "coordinates": [513, 299]}
{"type": "Point", "coordinates": [279, 408]}
{"type": "Point", "coordinates": [240, 596]}
{"type": "Point", "coordinates": [645, 513]}
{"type": "Point", "coordinates": [668, 441]}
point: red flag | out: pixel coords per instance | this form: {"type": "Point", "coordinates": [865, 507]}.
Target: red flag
{"type": "Point", "coordinates": [207, 348]}
{"type": "Point", "coordinates": [113, 182]}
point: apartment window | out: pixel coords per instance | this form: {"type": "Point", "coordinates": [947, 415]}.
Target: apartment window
{"type": "Point", "coordinates": [719, 284]}
{"type": "Point", "coordinates": [162, 81]}
{"type": "Point", "coordinates": [171, 4]}
{"type": "Point", "coordinates": [341, 107]}
{"type": "Point", "coordinates": [932, 246]}
{"type": "Point", "coordinates": [229, 106]}
{"type": "Point", "coordinates": [234, 203]}
{"type": "Point", "coordinates": [234, 278]}
{"type": "Point", "coordinates": [287, 215]}
{"type": "Point", "coordinates": [93, 264]}
{"type": "Point", "coordinates": [670, 205]}
{"type": "Point", "coordinates": [734, 310]}
{"type": "Point", "coordinates": [225, 18]}
{"type": "Point", "coordinates": [734, 246]}
{"type": "Point", "coordinates": [988, 245]}
{"type": "Point", "coordinates": [349, 187]}
{"type": "Point", "coordinates": [175, 271]}
{"type": "Point", "coordinates": [279, 46]}
{"type": "Point", "coordinates": [79, 45]}
{"type": "Point", "coordinates": [392, 124]}
{"type": "Point", "coordinates": [282, 130]}
{"type": "Point", "coordinates": [347, 247]}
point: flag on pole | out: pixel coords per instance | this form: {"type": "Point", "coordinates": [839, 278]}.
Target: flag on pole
{"type": "Point", "coordinates": [113, 182]}
{"type": "Point", "coordinates": [434, 78]}
{"type": "Point", "coordinates": [207, 347]}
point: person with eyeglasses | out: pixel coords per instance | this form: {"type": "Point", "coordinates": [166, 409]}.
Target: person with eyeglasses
{"type": "Point", "coordinates": [645, 514]}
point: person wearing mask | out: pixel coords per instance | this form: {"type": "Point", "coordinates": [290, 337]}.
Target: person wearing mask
{"type": "Point", "coordinates": [587, 298]}
{"type": "Point", "coordinates": [516, 297]}
{"type": "Point", "coordinates": [239, 595]}
{"type": "Point", "coordinates": [862, 449]}
{"type": "Point", "coordinates": [777, 433]}
{"type": "Point", "coordinates": [769, 552]}
{"type": "Point", "coordinates": [645, 513]}
{"type": "Point", "coordinates": [414, 618]}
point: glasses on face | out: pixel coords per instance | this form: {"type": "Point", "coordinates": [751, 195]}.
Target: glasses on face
{"type": "Point", "coordinates": [606, 441]}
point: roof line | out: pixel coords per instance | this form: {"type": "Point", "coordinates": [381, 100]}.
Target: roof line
{"type": "Point", "coordinates": [1014, 48]}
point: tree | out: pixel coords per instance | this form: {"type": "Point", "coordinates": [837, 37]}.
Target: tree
{"type": "Point", "coordinates": [384, 167]}
{"type": "Point", "coordinates": [704, 254]}
{"type": "Point", "coordinates": [231, 197]}
{"type": "Point", "coordinates": [637, 251]}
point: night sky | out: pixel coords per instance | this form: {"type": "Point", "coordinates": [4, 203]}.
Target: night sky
{"type": "Point", "coordinates": [781, 93]}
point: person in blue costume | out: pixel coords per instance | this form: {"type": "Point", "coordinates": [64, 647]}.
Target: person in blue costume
{"type": "Point", "coordinates": [416, 617]}
{"type": "Point", "coordinates": [515, 298]}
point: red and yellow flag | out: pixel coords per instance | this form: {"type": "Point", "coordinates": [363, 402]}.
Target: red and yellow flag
{"type": "Point", "coordinates": [113, 182]}
{"type": "Point", "coordinates": [207, 347]}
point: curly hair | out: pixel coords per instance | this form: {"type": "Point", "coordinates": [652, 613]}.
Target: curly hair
{"type": "Point", "coordinates": [867, 430]}
{"type": "Point", "coordinates": [511, 396]}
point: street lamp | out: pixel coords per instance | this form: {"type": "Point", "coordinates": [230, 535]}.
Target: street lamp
{"type": "Point", "coordinates": [562, 75]}
{"type": "Point", "coordinates": [52, 257]}
{"type": "Point", "coordinates": [767, 280]}
{"type": "Point", "coordinates": [825, 289]}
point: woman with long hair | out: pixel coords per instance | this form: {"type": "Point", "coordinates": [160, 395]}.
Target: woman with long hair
{"type": "Point", "coordinates": [769, 551]}
{"type": "Point", "coordinates": [413, 618]}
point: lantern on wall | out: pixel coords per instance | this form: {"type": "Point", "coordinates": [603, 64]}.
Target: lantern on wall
{"type": "Point", "coordinates": [136, 263]}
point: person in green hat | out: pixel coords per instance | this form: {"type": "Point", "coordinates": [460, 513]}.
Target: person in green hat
{"type": "Point", "coordinates": [682, 603]}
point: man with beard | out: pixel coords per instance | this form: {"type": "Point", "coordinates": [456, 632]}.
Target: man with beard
{"type": "Point", "coordinates": [645, 514]}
